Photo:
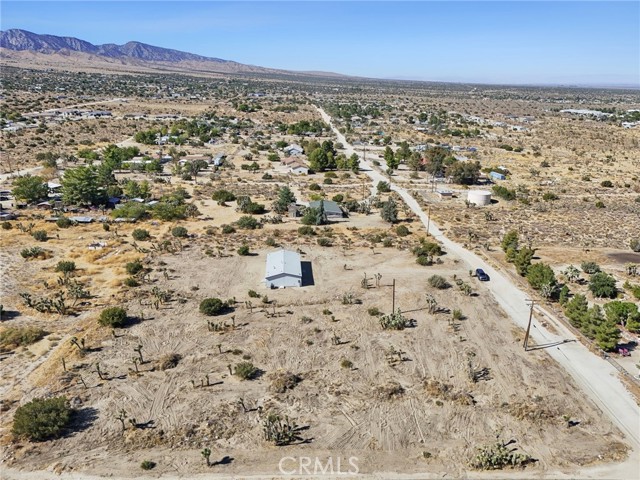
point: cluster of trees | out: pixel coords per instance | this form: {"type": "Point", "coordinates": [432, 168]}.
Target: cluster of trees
{"type": "Point", "coordinates": [171, 207]}
{"type": "Point", "coordinates": [304, 126]}
{"type": "Point", "coordinates": [594, 324]}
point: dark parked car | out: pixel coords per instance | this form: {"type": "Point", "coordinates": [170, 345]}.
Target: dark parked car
{"type": "Point", "coordinates": [483, 277]}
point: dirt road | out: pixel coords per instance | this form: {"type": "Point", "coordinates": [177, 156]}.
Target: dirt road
{"type": "Point", "coordinates": [597, 378]}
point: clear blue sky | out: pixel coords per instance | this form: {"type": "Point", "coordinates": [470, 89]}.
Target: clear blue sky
{"type": "Point", "coordinates": [490, 42]}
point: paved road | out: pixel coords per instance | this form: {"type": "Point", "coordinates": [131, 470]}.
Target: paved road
{"type": "Point", "coordinates": [595, 376]}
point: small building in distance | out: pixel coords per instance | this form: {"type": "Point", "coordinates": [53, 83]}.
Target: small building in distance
{"type": "Point", "coordinates": [497, 176]}
{"type": "Point", "coordinates": [444, 194]}
{"type": "Point", "coordinates": [298, 168]}
{"type": "Point", "coordinates": [293, 150]}
{"type": "Point", "coordinates": [331, 209]}
{"type": "Point", "coordinates": [283, 269]}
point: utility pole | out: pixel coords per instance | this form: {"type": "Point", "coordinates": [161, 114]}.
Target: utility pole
{"type": "Point", "coordinates": [526, 335]}
{"type": "Point", "coordinates": [393, 297]}
{"type": "Point", "coordinates": [428, 219]}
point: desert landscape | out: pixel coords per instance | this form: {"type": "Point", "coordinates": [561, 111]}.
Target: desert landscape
{"type": "Point", "coordinates": [139, 209]}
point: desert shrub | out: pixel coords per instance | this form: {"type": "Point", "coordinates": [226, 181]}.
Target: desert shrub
{"type": "Point", "coordinates": [374, 311]}
{"type": "Point", "coordinates": [134, 267]}
{"type": "Point", "coordinates": [33, 252]}
{"type": "Point", "coordinates": [590, 267]}
{"type": "Point", "coordinates": [599, 204]}
{"type": "Point", "coordinates": [179, 232]}
{"type": "Point", "coordinates": [244, 250]}
{"type": "Point", "coordinates": [438, 282]}
{"type": "Point", "coordinates": [63, 222]}
{"type": "Point", "coordinates": [402, 231]}
{"type": "Point", "coordinates": [283, 381]}
{"type": "Point", "coordinates": [345, 363]}
{"type": "Point", "coordinates": [606, 184]}
{"type": "Point", "coordinates": [306, 230]}
{"type": "Point", "coordinates": [338, 198]}
{"type": "Point", "coordinates": [549, 196]}
{"type": "Point", "coordinates": [113, 317]}
{"type": "Point", "coordinates": [394, 321]}
{"type": "Point", "coordinates": [147, 465]}
{"type": "Point", "coordinates": [140, 234]}
{"type": "Point", "coordinates": [247, 222]}
{"type": "Point", "coordinates": [42, 419]}
{"type": "Point", "coordinates": [223, 196]}
{"type": "Point", "coordinates": [504, 192]}
{"type": "Point", "coordinates": [497, 457]}
{"type": "Point", "coordinates": [603, 285]}
{"type": "Point", "coordinates": [427, 248]}
{"type": "Point", "coordinates": [131, 282]}
{"type": "Point", "coordinates": [383, 187]}
{"type": "Point", "coordinates": [65, 266]}
{"type": "Point", "coordinates": [315, 187]}
{"type": "Point", "coordinates": [324, 242]}
{"type": "Point", "coordinates": [14, 337]}
{"type": "Point", "coordinates": [40, 235]}
{"type": "Point", "coordinates": [212, 306]}
{"type": "Point", "coordinates": [634, 244]}
{"type": "Point", "coordinates": [6, 225]}
{"type": "Point", "coordinates": [271, 242]}
{"type": "Point", "coordinates": [169, 361]}
{"type": "Point", "coordinates": [245, 370]}
{"type": "Point", "coordinates": [327, 181]}
{"type": "Point", "coordinates": [424, 260]}
{"type": "Point", "coordinates": [227, 229]}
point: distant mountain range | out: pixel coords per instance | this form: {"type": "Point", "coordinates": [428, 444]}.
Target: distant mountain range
{"type": "Point", "coordinates": [134, 54]}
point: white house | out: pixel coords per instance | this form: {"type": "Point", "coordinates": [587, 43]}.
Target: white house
{"type": "Point", "coordinates": [283, 269]}
{"type": "Point", "coordinates": [293, 150]}
{"type": "Point", "coordinates": [299, 169]}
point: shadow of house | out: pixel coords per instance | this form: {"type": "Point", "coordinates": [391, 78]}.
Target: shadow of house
{"type": "Point", "coordinates": [307, 274]}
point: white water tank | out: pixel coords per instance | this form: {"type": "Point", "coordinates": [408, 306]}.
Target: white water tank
{"type": "Point", "coordinates": [479, 197]}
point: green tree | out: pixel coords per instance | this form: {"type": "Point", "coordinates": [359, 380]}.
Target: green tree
{"type": "Point", "coordinates": [389, 211]}
{"type": "Point", "coordinates": [576, 310]}
{"type": "Point", "coordinates": [80, 187]}
{"type": "Point", "coordinates": [541, 274]}
{"type": "Point", "coordinates": [607, 336]}
{"type": "Point", "coordinates": [390, 159]}
{"type": "Point", "coordinates": [603, 285]}
{"type": "Point", "coordinates": [133, 189]}
{"type": "Point", "coordinates": [510, 240]}
{"type": "Point", "coordinates": [285, 198]}
{"type": "Point", "coordinates": [622, 313]}
{"type": "Point", "coordinates": [30, 189]}
{"type": "Point", "coordinates": [314, 216]}
{"type": "Point", "coordinates": [465, 173]}
{"type": "Point", "coordinates": [522, 260]}
{"type": "Point", "coordinates": [223, 196]}
{"type": "Point", "coordinates": [42, 419]}
{"type": "Point", "coordinates": [353, 163]}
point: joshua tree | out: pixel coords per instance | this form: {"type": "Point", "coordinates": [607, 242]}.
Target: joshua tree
{"type": "Point", "coordinates": [122, 415]}
{"type": "Point", "coordinates": [99, 372]}
{"type": "Point", "coordinates": [81, 346]}
{"type": "Point", "coordinates": [432, 303]}
{"type": "Point", "coordinates": [138, 350]}
{"type": "Point", "coordinates": [206, 454]}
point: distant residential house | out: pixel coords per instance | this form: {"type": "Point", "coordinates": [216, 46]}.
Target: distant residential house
{"type": "Point", "coordinates": [497, 176]}
{"type": "Point", "coordinates": [293, 150]}
{"type": "Point", "coordinates": [53, 186]}
{"type": "Point", "coordinates": [195, 157]}
{"type": "Point", "coordinates": [283, 269]}
{"type": "Point", "coordinates": [331, 209]}
{"type": "Point", "coordinates": [293, 210]}
{"type": "Point", "coordinates": [444, 194]}
{"type": "Point", "coordinates": [299, 169]}
{"type": "Point", "coordinates": [219, 159]}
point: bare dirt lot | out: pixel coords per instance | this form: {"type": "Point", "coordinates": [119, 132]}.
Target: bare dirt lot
{"type": "Point", "coordinates": [404, 393]}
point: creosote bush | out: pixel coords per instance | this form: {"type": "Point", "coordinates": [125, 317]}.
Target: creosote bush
{"type": "Point", "coordinates": [140, 234]}
{"type": "Point", "coordinates": [212, 306]}
{"type": "Point", "coordinates": [245, 370]}
{"type": "Point", "coordinates": [40, 235]}
{"type": "Point", "coordinates": [179, 232]}
{"type": "Point", "coordinates": [63, 222]}
{"type": "Point", "coordinates": [65, 266]}
{"type": "Point", "coordinates": [13, 337]}
{"type": "Point", "coordinates": [42, 419]}
{"type": "Point", "coordinates": [147, 465]}
{"type": "Point", "coordinates": [244, 250]}
{"type": "Point", "coordinates": [114, 317]}
{"type": "Point", "coordinates": [133, 268]}
{"type": "Point", "coordinates": [438, 282]}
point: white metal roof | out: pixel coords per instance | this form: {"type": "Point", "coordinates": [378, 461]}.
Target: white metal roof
{"type": "Point", "coordinates": [283, 262]}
